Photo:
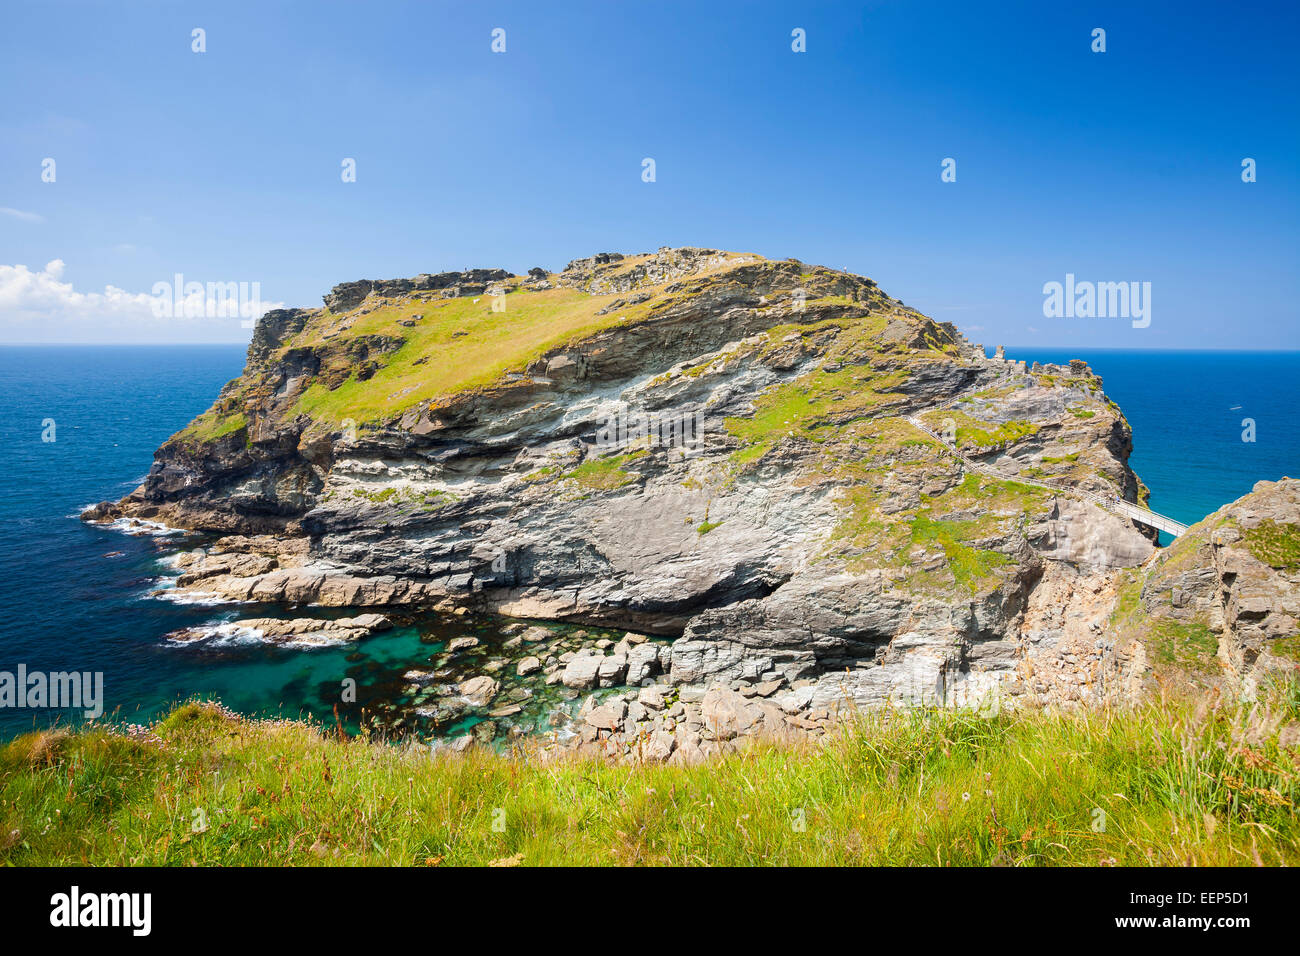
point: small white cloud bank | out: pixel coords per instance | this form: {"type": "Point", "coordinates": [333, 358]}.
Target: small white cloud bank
{"type": "Point", "coordinates": [42, 307]}
{"type": "Point", "coordinates": [21, 214]}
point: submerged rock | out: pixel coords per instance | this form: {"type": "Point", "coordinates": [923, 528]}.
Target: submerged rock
{"type": "Point", "coordinates": [582, 671]}
{"type": "Point", "coordinates": [479, 691]}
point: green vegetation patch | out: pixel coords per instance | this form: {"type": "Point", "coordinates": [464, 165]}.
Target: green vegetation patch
{"type": "Point", "coordinates": [210, 426]}
{"type": "Point", "coordinates": [545, 473]}
{"type": "Point", "coordinates": [1275, 543]}
{"type": "Point", "coordinates": [970, 567]}
{"type": "Point", "coordinates": [977, 508]}
{"type": "Point", "coordinates": [994, 495]}
{"type": "Point", "coordinates": [749, 454]}
{"type": "Point", "coordinates": [605, 474]}
{"type": "Point", "coordinates": [1187, 646]}
{"type": "Point", "coordinates": [816, 401]}
{"type": "Point", "coordinates": [1127, 600]}
{"type": "Point", "coordinates": [457, 344]}
{"type": "Point", "coordinates": [1288, 647]}
{"type": "Point", "coordinates": [428, 500]}
{"type": "Point", "coordinates": [973, 434]}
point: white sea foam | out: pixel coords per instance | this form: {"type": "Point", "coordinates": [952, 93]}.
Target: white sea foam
{"type": "Point", "coordinates": [312, 640]}
{"type": "Point", "coordinates": [218, 635]}
{"type": "Point", "coordinates": [165, 590]}
{"type": "Point", "coordinates": [132, 526]}
{"type": "Point", "coordinates": [139, 526]}
{"type": "Point", "coordinates": [233, 634]}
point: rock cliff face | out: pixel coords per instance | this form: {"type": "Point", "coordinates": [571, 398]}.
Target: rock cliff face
{"type": "Point", "coordinates": [1222, 604]}
{"type": "Point", "coordinates": [716, 448]}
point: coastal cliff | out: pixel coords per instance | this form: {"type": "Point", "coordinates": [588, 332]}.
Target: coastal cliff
{"type": "Point", "coordinates": [799, 494]}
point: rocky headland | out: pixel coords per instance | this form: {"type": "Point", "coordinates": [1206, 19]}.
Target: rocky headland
{"type": "Point", "coordinates": [795, 494]}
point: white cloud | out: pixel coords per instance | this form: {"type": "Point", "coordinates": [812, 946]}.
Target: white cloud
{"type": "Point", "coordinates": [42, 307]}
{"type": "Point", "coordinates": [20, 214]}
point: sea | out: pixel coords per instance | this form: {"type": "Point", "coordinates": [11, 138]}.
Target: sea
{"type": "Point", "coordinates": [79, 424]}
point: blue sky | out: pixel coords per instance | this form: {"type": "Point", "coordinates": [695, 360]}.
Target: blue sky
{"type": "Point", "coordinates": [225, 165]}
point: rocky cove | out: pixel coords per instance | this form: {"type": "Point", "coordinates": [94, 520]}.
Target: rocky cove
{"type": "Point", "coordinates": [438, 446]}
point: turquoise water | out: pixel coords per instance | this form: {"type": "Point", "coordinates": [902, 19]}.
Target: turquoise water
{"type": "Point", "coordinates": [76, 597]}
{"type": "Point", "coordinates": [1187, 410]}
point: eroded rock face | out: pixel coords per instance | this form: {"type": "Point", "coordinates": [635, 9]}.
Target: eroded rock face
{"type": "Point", "coordinates": [724, 456]}
{"type": "Point", "coordinates": [348, 295]}
{"type": "Point", "coordinates": [1224, 600]}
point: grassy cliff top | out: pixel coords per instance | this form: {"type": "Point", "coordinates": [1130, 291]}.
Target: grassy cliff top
{"type": "Point", "coordinates": [389, 352]}
{"type": "Point", "coordinates": [455, 344]}
{"type": "Point", "coordinates": [1175, 784]}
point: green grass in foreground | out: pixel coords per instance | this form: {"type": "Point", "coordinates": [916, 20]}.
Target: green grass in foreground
{"type": "Point", "coordinates": [1163, 784]}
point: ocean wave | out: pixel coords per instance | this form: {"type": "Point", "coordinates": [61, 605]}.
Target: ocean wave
{"type": "Point", "coordinates": [165, 590]}
{"type": "Point", "coordinates": [309, 641]}
{"type": "Point", "coordinates": [216, 635]}
{"type": "Point", "coordinates": [139, 526]}
{"type": "Point", "coordinates": [136, 527]}
{"type": "Point", "coordinates": [234, 634]}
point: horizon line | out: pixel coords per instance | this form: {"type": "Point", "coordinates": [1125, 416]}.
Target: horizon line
{"type": "Point", "coordinates": [1133, 348]}
{"type": "Point", "coordinates": [1086, 348]}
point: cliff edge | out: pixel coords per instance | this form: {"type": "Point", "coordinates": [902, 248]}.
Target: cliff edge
{"type": "Point", "coordinates": [821, 496]}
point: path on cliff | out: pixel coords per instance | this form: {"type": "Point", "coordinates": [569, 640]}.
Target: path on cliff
{"type": "Point", "coordinates": [1111, 503]}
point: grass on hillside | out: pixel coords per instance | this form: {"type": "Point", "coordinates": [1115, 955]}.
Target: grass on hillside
{"type": "Point", "coordinates": [954, 522]}
{"type": "Point", "coordinates": [1161, 784]}
{"type": "Point", "coordinates": [810, 406]}
{"type": "Point", "coordinates": [1189, 646]}
{"type": "Point", "coordinates": [456, 344]}
{"type": "Point", "coordinates": [604, 474]}
{"type": "Point", "coordinates": [970, 567]}
{"type": "Point", "coordinates": [1275, 543]}
{"type": "Point", "coordinates": [975, 435]}
{"type": "Point", "coordinates": [212, 425]}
